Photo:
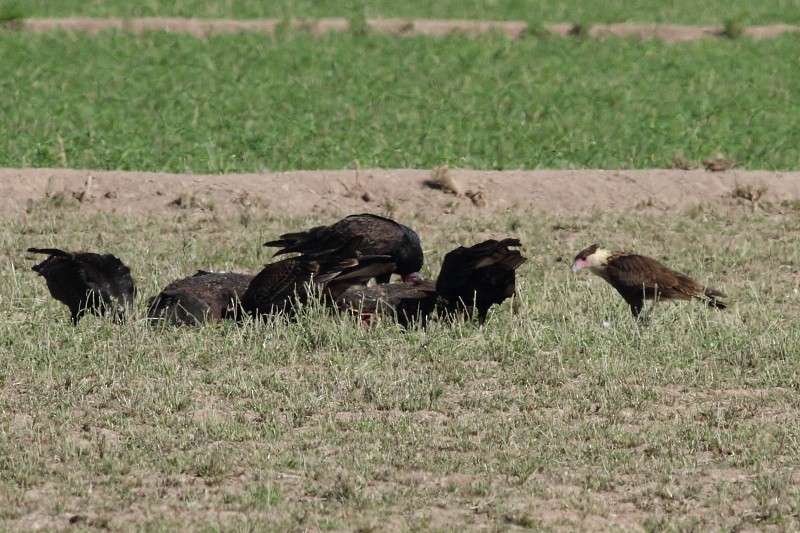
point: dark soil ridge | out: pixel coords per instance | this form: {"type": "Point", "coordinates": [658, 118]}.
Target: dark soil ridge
{"type": "Point", "coordinates": [669, 33]}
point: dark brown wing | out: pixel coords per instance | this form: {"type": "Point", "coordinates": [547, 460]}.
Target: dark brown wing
{"type": "Point", "coordinates": [50, 251]}
{"type": "Point", "coordinates": [368, 267]}
{"type": "Point", "coordinates": [108, 275]}
{"type": "Point", "coordinates": [479, 276]}
{"type": "Point", "coordinates": [274, 288]}
{"type": "Point", "coordinates": [405, 302]}
{"type": "Point", "coordinates": [381, 236]}
{"type": "Point", "coordinates": [647, 275]}
{"type": "Point", "coordinates": [204, 296]}
{"type": "Point", "coordinates": [638, 278]}
{"type": "Point", "coordinates": [65, 283]}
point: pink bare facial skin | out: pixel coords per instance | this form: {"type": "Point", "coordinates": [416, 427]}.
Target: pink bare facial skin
{"type": "Point", "coordinates": [414, 277]}
{"type": "Point", "coordinates": [578, 265]}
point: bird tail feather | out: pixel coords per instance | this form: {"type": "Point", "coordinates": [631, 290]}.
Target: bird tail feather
{"type": "Point", "coordinates": [50, 251]}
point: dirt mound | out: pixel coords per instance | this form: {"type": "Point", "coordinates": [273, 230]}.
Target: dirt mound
{"type": "Point", "coordinates": [441, 191]}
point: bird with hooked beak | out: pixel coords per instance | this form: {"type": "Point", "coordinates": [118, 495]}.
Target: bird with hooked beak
{"type": "Point", "coordinates": [638, 278]}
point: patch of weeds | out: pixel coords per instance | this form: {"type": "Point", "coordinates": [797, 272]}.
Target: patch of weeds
{"type": "Point", "coordinates": [406, 28]}
{"type": "Point", "coordinates": [265, 495]}
{"type": "Point", "coordinates": [524, 520]}
{"type": "Point", "coordinates": [536, 30]}
{"type": "Point", "coordinates": [190, 200]}
{"type": "Point", "coordinates": [732, 28]}
{"type": "Point", "coordinates": [357, 23]}
{"type": "Point", "coordinates": [210, 466]}
{"type": "Point", "coordinates": [679, 161]}
{"type": "Point", "coordinates": [389, 207]}
{"type": "Point", "coordinates": [11, 14]}
{"type": "Point", "coordinates": [750, 193]}
{"type": "Point", "coordinates": [580, 30]}
{"type": "Point", "coordinates": [57, 200]}
{"type": "Point", "coordinates": [769, 490]}
{"type": "Point", "coordinates": [283, 28]}
{"type": "Point", "coordinates": [718, 163]}
{"type": "Point", "coordinates": [342, 488]}
{"type": "Point", "coordinates": [441, 179]}
{"type": "Point", "coordinates": [792, 204]}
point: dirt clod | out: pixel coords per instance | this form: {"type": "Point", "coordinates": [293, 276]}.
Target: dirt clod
{"type": "Point", "coordinates": [478, 198]}
{"type": "Point", "coordinates": [443, 180]}
{"type": "Point", "coordinates": [717, 164]}
{"type": "Point", "coordinates": [680, 162]}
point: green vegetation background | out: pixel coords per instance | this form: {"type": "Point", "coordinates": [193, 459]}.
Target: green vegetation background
{"type": "Point", "coordinates": [248, 102]}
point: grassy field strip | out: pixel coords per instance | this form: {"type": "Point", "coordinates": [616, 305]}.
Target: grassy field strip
{"type": "Point", "coordinates": [543, 419]}
{"type": "Point", "coordinates": [405, 27]}
{"type": "Point", "coordinates": [245, 102]}
{"type": "Point", "coordinates": [568, 11]}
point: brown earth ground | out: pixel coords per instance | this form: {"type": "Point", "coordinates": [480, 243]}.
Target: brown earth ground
{"type": "Point", "coordinates": [410, 27]}
{"type": "Point", "coordinates": [340, 192]}
{"type": "Point", "coordinates": [335, 193]}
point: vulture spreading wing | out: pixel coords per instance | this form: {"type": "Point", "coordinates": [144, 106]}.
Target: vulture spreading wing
{"type": "Point", "coordinates": [470, 278]}
{"type": "Point", "coordinates": [280, 286]}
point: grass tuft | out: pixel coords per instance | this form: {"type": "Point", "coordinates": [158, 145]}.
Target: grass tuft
{"type": "Point", "coordinates": [732, 28]}
{"type": "Point", "coordinates": [12, 13]}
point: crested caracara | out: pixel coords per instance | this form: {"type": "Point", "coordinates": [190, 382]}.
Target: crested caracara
{"type": "Point", "coordinates": [638, 278]}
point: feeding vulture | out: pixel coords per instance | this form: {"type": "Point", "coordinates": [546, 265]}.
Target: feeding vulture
{"type": "Point", "coordinates": [206, 296]}
{"type": "Point", "coordinates": [480, 276]}
{"type": "Point", "coordinates": [280, 286]}
{"type": "Point", "coordinates": [638, 278]}
{"type": "Point", "coordinates": [413, 300]}
{"type": "Point", "coordinates": [380, 236]}
{"type": "Point", "coordinates": [471, 278]}
{"type": "Point", "coordinates": [85, 281]}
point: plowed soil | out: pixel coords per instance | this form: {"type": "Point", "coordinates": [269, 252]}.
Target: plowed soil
{"type": "Point", "coordinates": [339, 192]}
{"type": "Point", "coordinates": [202, 27]}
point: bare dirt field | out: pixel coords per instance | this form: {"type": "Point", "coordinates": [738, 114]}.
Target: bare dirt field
{"type": "Point", "coordinates": [203, 27]}
{"type": "Point", "coordinates": [339, 192]}
{"type": "Point", "coordinates": [501, 428]}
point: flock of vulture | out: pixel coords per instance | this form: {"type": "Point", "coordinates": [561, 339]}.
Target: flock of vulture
{"type": "Point", "coordinates": [335, 264]}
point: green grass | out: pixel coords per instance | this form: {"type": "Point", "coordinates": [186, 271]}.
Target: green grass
{"type": "Point", "coordinates": [677, 11]}
{"type": "Point", "coordinates": [247, 102]}
{"type": "Point", "coordinates": [11, 11]}
{"type": "Point", "coordinates": [543, 419]}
